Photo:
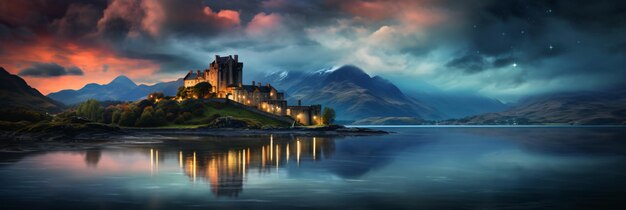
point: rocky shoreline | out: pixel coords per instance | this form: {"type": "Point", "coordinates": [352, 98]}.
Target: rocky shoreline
{"type": "Point", "coordinates": [100, 132]}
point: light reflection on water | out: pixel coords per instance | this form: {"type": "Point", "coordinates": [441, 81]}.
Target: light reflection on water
{"type": "Point", "coordinates": [411, 168]}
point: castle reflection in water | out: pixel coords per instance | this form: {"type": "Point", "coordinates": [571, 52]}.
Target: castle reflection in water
{"type": "Point", "coordinates": [225, 169]}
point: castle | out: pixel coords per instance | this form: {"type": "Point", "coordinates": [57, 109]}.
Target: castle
{"type": "Point", "coordinates": [225, 76]}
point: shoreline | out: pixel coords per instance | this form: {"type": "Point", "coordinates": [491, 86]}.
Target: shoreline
{"type": "Point", "coordinates": [58, 139]}
{"type": "Point", "coordinates": [301, 131]}
{"type": "Point", "coordinates": [98, 132]}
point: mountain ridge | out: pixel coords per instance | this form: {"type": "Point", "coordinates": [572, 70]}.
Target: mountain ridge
{"type": "Point", "coordinates": [16, 93]}
{"type": "Point", "coordinates": [574, 108]}
{"type": "Point", "coordinates": [121, 88]}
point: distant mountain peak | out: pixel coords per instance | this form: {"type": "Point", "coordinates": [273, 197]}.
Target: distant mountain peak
{"type": "Point", "coordinates": [349, 73]}
{"type": "Point", "coordinates": [327, 70]}
{"type": "Point", "coordinates": [277, 75]}
{"type": "Point", "coordinates": [122, 80]}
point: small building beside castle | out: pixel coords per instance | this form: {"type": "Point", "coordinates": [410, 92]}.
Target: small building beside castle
{"type": "Point", "coordinates": [225, 77]}
{"type": "Point", "coordinates": [306, 115]}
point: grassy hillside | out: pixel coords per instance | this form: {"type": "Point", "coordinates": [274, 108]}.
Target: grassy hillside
{"type": "Point", "coordinates": [214, 110]}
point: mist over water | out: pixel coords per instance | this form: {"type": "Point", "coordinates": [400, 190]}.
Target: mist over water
{"type": "Point", "coordinates": [412, 168]}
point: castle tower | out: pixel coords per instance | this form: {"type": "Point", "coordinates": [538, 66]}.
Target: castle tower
{"type": "Point", "coordinates": [225, 72]}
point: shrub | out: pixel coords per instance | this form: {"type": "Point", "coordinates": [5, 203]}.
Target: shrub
{"type": "Point", "coordinates": [202, 90]}
{"type": "Point", "coordinates": [328, 116]}
{"type": "Point", "coordinates": [168, 106]}
{"type": "Point", "coordinates": [192, 106]}
{"type": "Point", "coordinates": [182, 92]}
{"type": "Point", "coordinates": [141, 105]}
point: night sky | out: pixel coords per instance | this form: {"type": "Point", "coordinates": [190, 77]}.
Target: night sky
{"type": "Point", "coordinates": [498, 48]}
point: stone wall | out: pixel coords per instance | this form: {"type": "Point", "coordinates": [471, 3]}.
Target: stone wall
{"type": "Point", "coordinates": [251, 109]}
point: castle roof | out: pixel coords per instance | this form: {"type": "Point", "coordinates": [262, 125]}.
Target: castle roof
{"type": "Point", "coordinates": [249, 88]}
{"type": "Point", "coordinates": [190, 76]}
{"type": "Point", "coordinates": [252, 88]}
{"type": "Point", "coordinates": [194, 74]}
{"type": "Point", "coordinates": [265, 89]}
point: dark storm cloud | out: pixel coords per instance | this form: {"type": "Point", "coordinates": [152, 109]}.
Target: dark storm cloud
{"type": "Point", "coordinates": [79, 19]}
{"type": "Point", "coordinates": [471, 63]}
{"type": "Point", "coordinates": [550, 41]}
{"type": "Point", "coordinates": [49, 70]}
{"type": "Point", "coordinates": [169, 62]}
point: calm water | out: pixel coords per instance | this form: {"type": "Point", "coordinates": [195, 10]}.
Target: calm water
{"type": "Point", "coordinates": [414, 168]}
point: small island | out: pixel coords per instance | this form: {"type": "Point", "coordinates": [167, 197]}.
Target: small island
{"type": "Point", "coordinates": [211, 102]}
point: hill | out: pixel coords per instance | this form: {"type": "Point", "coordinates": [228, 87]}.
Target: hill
{"type": "Point", "coordinates": [352, 92]}
{"type": "Point", "coordinates": [119, 89]}
{"type": "Point", "coordinates": [16, 93]}
{"type": "Point", "coordinates": [577, 108]}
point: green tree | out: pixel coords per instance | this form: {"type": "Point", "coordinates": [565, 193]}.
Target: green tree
{"type": "Point", "coordinates": [202, 90]}
{"type": "Point", "coordinates": [182, 92]}
{"type": "Point", "coordinates": [117, 114]}
{"type": "Point", "coordinates": [141, 105]}
{"type": "Point", "coordinates": [107, 115]}
{"type": "Point", "coordinates": [128, 118]}
{"type": "Point", "coordinates": [90, 109]}
{"type": "Point", "coordinates": [328, 116]}
{"type": "Point", "coordinates": [168, 106]}
{"type": "Point", "coordinates": [149, 117]}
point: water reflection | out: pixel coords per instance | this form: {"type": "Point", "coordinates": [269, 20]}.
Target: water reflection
{"type": "Point", "coordinates": [413, 168]}
{"type": "Point", "coordinates": [225, 169]}
{"type": "Point", "coordinates": [92, 157]}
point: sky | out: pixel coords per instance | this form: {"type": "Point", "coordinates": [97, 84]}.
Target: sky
{"type": "Point", "coordinates": [501, 49]}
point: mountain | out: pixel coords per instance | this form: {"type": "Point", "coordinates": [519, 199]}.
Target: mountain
{"type": "Point", "coordinates": [459, 105]}
{"type": "Point", "coordinates": [15, 92]}
{"type": "Point", "coordinates": [120, 89]}
{"type": "Point", "coordinates": [585, 108]}
{"type": "Point", "coordinates": [351, 92]}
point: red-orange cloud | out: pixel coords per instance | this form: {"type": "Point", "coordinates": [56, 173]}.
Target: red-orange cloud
{"type": "Point", "coordinates": [225, 17]}
{"type": "Point", "coordinates": [411, 12]}
{"type": "Point", "coordinates": [263, 23]}
{"type": "Point", "coordinates": [100, 65]}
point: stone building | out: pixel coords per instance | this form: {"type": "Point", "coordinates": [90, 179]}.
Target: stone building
{"type": "Point", "coordinates": [225, 76]}
{"type": "Point", "coordinates": [305, 115]}
{"type": "Point", "coordinates": [263, 97]}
